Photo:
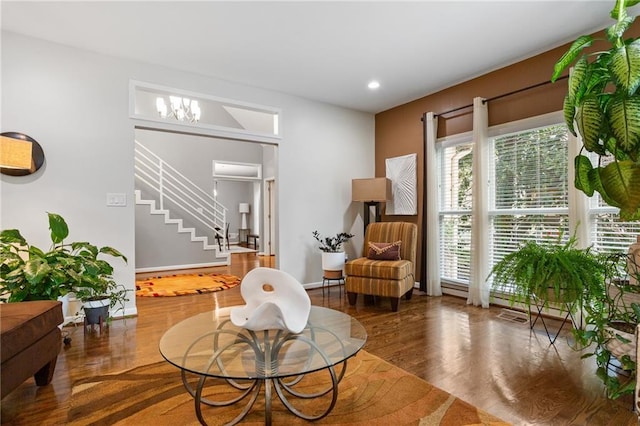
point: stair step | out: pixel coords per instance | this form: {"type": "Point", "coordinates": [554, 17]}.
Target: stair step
{"type": "Point", "coordinates": [180, 225]}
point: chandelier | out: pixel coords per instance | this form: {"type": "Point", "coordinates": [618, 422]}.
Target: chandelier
{"type": "Point", "coordinates": [182, 109]}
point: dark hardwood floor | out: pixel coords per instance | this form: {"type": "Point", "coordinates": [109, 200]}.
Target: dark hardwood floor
{"type": "Point", "coordinates": [492, 363]}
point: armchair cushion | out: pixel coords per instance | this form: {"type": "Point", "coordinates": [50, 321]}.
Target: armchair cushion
{"type": "Point", "coordinates": [384, 251]}
{"type": "Point", "coordinates": [381, 269]}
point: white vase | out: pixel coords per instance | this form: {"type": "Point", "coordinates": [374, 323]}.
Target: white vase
{"type": "Point", "coordinates": [333, 261]}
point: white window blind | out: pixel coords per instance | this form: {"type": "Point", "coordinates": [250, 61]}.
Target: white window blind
{"type": "Point", "coordinates": [609, 234]}
{"type": "Point", "coordinates": [455, 211]}
{"type": "Point", "coordinates": [529, 186]}
{"type": "Point", "coordinates": [529, 189]}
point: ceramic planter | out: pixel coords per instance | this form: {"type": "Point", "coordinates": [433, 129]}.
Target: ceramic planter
{"type": "Point", "coordinates": [333, 264]}
{"type": "Point", "coordinates": [96, 310]}
{"type": "Point", "coordinates": [617, 347]}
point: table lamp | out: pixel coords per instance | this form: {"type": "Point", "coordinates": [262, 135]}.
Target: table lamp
{"type": "Point", "coordinates": [372, 192]}
{"type": "Point", "coordinates": [244, 209]}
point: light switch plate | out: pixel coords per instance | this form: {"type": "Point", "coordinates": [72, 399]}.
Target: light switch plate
{"type": "Point", "coordinates": [118, 199]}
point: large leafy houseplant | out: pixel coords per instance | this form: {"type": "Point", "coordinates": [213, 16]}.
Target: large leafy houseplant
{"type": "Point", "coordinates": [30, 273]}
{"type": "Point", "coordinates": [604, 104]}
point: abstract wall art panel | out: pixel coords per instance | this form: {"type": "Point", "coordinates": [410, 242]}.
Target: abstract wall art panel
{"type": "Point", "coordinates": [402, 172]}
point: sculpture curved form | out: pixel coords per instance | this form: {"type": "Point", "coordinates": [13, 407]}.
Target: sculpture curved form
{"type": "Point", "coordinates": [275, 301]}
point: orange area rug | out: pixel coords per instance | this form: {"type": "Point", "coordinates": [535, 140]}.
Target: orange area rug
{"type": "Point", "coordinates": [372, 392]}
{"type": "Point", "coordinates": [183, 284]}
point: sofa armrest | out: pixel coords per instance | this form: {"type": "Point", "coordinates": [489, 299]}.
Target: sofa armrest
{"type": "Point", "coordinates": [636, 401]}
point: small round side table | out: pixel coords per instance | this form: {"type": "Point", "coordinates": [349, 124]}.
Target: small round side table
{"type": "Point", "coordinates": [327, 281]}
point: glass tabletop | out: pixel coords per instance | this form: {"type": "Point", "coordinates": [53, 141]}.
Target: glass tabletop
{"type": "Point", "coordinates": [210, 344]}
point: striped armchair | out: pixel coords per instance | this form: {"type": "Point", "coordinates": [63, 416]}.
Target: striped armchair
{"type": "Point", "coordinates": [387, 278]}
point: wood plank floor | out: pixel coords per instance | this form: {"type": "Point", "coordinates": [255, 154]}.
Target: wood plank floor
{"type": "Point", "coordinates": [492, 363]}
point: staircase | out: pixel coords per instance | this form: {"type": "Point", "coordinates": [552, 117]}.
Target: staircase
{"type": "Point", "coordinates": [170, 194]}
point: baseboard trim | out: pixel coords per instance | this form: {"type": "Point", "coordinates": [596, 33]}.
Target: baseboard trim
{"type": "Point", "coordinates": [310, 286]}
{"type": "Point", "coordinates": [176, 267]}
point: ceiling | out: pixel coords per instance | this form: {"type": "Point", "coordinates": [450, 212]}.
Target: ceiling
{"type": "Point", "coordinates": [326, 51]}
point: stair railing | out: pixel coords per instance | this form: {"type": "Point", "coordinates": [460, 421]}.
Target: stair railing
{"type": "Point", "coordinates": [168, 184]}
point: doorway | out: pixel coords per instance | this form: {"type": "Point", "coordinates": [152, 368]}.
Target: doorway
{"type": "Point", "coordinates": [194, 156]}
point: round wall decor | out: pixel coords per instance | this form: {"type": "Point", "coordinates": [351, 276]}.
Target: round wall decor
{"type": "Point", "coordinates": [7, 148]}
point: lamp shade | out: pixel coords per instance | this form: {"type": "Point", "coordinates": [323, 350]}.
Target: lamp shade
{"type": "Point", "coordinates": [371, 189]}
{"type": "Point", "coordinates": [243, 208]}
{"type": "Point", "coordinates": [15, 153]}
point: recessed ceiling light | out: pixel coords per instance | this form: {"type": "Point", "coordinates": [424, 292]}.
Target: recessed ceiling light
{"type": "Point", "coordinates": [373, 84]}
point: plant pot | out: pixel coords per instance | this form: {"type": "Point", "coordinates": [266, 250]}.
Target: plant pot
{"type": "Point", "coordinates": [96, 310]}
{"type": "Point", "coordinates": [333, 264]}
{"type": "Point", "coordinates": [617, 347]}
{"type": "Point", "coordinates": [567, 296]}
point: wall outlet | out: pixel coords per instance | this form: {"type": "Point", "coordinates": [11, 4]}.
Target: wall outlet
{"type": "Point", "coordinates": [116, 199]}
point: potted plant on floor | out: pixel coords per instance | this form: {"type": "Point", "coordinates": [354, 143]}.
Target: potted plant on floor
{"type": "Point", "coordinates": [333, 256]}
{"type": "Point", "coordinates": [611, 319]}
{"type": "Point", "coordinates": [29, 273]}
{"type": "Point", "coordinates": [604, 104]}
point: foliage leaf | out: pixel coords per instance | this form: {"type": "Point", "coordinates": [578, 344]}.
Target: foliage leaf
{"type": "Point", "coordinates": [113, 252]}
{"type": "Point", "coordinates": [623, 23]}
{"type": "Point", "coordinates": [570, 55]}
{"type": "Point", "coordinates": [624, 115]}
{"type": "Point", "coordinates": [583, 167]}
{"type": "Point", "coordinates": [577, 77]}
{"type": "Point", "coordinates": [12, 236]}
{"type": "Point", "coordinates": [58, 227]}
{"type": "Point", "coordinates": [620, 181]}
{"type": "Point", "coordinates": [569, 111]}
{"type": "Point", "coordinates": [589, 118]}
{"type": "Point", "coordinates": [35, 270]}
{"type": "Point", "coordinates": [625, 66]}
{"type": "Point", "coordinates": [596, 183]}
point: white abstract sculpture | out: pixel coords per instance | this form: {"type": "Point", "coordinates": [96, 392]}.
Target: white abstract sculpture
{"type": "Point", "coordinates": [275, 301]}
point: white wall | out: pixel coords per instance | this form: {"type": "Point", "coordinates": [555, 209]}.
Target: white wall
{"type": "Point", "coordinates": [75, 103]}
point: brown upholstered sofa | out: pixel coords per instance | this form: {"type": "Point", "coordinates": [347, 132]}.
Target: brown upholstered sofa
{"type": "Point", "coordinates": [637, 391]}
{"type": "Point", "coordinates": [30, 341]}
{"type": "Point", "coordinates": [388, 278]}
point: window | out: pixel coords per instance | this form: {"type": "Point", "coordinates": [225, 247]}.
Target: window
{"type": "Point", "coordinates": [179, 107]}
{"type": "Point", "coordinates": [528, 197]}
{"type": "Point", "coordinates": [529, 189]}
{"type": "Point", "coordinates": [455, 211]}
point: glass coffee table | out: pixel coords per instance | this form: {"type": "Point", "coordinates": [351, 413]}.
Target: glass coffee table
{"type": "Point", "coordinates": [210, 346]}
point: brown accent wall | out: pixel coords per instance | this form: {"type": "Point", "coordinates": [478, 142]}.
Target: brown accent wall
{"type": "Point", "coordinates": [398, 131]}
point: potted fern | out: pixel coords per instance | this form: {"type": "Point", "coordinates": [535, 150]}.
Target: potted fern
{"type": "Point", "coordinates": [546, 274]}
